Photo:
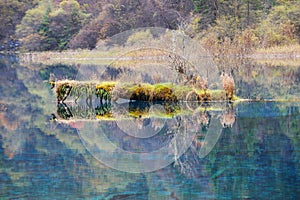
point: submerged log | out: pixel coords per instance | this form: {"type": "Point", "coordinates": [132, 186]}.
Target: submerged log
{"type": "Point", "coordinates": [143, 110]}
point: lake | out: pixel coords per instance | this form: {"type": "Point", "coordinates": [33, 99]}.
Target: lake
{"type": "Point", "coordinates": [244, 150]}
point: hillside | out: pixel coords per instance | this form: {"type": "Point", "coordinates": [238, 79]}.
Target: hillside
{"type": "Point", "coordinates": [69, 24]}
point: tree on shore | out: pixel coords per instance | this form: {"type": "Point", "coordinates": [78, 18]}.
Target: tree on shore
{"type": "Point", "coordinates": [11, 14]}
{"type": "Point", "coordinates": [49, 26]}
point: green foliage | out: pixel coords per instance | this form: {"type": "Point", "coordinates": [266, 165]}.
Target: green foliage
{"type": "Point", "coordinates": [208, 11]}
{"type": "Point", "coordinates": [226, 26]}
{"type": "Point", "coordinates": [244, 13]}
{"type": "Point", "coordinates": [49, 26]}
{"type": "Point", "coordinates": [11, 14]}
{"type": "Point", "coordinates": [27, 31]}
{"type": "Point", "coordinates": [243, 26]}
{"type": "Point", "coordinates": [281, 27]}
{"type": "Point", "coordinates": [57, 25]}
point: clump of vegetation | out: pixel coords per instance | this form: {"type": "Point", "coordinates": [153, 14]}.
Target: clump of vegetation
{"type": "Point", "coordinates": [50, 25]}
{"type": "Point", "coordinates": [75, 89]}
{"type": "Point", "coordinates": [104, 91]}
{"type": "Point", "coordinates": [140, 92]}
{"type": "Point", "coordinates": [103, 111]}
{"type": "Point", "coordinates": [165, 92]}
{"type": "Point", "coordinates": [63, 111]}
{"type": "Point", "coordinates": [62, 91]}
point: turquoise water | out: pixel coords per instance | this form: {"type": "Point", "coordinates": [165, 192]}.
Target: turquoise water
{"type": "Point", "coordinates": [256, 153]}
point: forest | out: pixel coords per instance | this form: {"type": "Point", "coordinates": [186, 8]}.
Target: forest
{"type": "Point", "coordinates": [243, 25]}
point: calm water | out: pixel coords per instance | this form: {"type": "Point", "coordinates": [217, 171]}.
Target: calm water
{"type": "Point", "coordinates": [256, 153]}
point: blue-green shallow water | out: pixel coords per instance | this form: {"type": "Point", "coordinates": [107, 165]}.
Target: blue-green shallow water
{"type": "Point", "coordinates": [257, 158]}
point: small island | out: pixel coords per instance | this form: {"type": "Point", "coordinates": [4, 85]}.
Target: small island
{"type": "Point", "coordinates": [169, 92]}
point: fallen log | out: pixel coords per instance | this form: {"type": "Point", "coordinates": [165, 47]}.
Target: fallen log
{"type": "Point", "coordinates": [111, 91]}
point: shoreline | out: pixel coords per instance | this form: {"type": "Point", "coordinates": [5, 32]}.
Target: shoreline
{"type": "Point", "coordinates": [285, 55]}
{"type": "Point", "coordinates": [84, 56]}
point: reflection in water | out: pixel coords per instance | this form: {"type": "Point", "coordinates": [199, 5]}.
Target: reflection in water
{"type": "Point", "coordinates": [228, 118]}
{"type": "Point", "coordinates": [257, 157]}
{"type": "Point", "coordinates": [141, 137]}
{"type": "Point", "coordinates": [132, 131]}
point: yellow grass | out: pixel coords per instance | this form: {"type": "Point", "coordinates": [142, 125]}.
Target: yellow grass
{"type": "Point", "coordinates": [279, 62]}
{"type": "Point", "coordinates": [82, 56]}
{"type": "Point", "coordinates": [278, 55]}
{"type": "Point", "coordinates": [278, 52]}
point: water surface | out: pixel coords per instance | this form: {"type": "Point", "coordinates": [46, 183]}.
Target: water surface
{"type": "Point", "coordinates": [256, 155]}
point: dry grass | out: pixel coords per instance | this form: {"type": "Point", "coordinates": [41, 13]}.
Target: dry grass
{"type": "Point", "coordinates": [69, 57]}
{"type": "Point", "coordinates": [278, 52]}
{"type": "Point", "coordinates": [282, 54]}
{"type": "Point", "coordinates": [278, 56]}
{"type": "Point", "coordinates": [293, 63]}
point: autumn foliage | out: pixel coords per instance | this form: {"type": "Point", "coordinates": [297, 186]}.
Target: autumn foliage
{"type": "Point", "coordinates": [231, 27]}
{"type": "Point", "coordinates": [228, 85]}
